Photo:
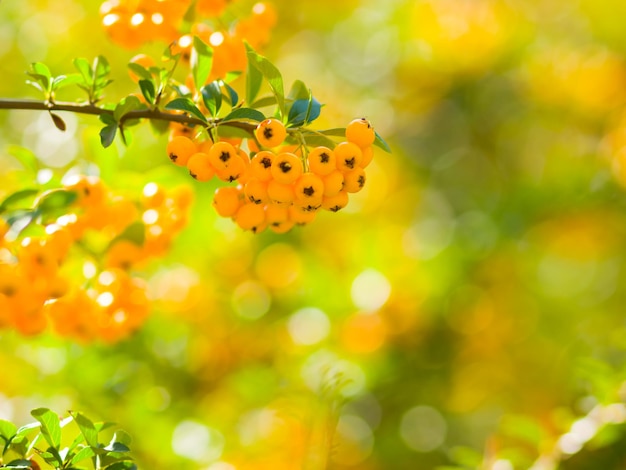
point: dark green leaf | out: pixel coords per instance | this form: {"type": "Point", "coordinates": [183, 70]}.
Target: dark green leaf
{"type": "Point", "coordinates": [50, 426]}
{"type": "Point", "coordinates": [185, 104]}
{"type": "Point", "coordinates": [19, 445]}
{"type": "Point", "coordinates": [50, 201]}
{"type": "Point", "coordinates": [87, 428]}
{"type": "Point", "coordinates": [148, 90]}
{"type": "Point", "coordinates": [122, 436]}
{"type": "Point", "coordinates": [160, 127]}
{"type": "Point", "coordinates": [212, 97]}
{"type": "Point", "coordinates": [201, 62]}
{"type": "Point", "coordinates": [125, 106]}
{"type": "Point", "coordinates": [9, 201]}
{"type": "Point", "coordinates": [379, 142]}
{"type": "Point", "coordinates": [304, 111]}
{"type": "Point", "coordinates": [244, 114]}
{"type": "Point", "coordinates": [82, 454]}
{"type": "Point", "coordinates": [271, 74]}
{"type": "Point", "coordinates": [108, 119]}
{"type": "Point", "coordinates": [233, 97]}
{"type": "Point", "coordinates": [117, 447]}
{"type": "Point", "coordinates": [82, 65]}
{"type": "Point", "coordinates": [58, 122]}
{"type": "Point", "coordinates": [19, 463]}
{"type": "Point", "coordinates": [107, 135]}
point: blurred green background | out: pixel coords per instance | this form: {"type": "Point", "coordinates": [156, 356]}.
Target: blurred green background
{"type": "Point", "coordinates": [466, 310]}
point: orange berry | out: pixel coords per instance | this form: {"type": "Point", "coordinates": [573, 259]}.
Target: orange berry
{"type": "Point", "coordinates": [348, 156]}
{"type": "Point", "coordinates": [227, 200]}
{"type": "Point", "coordinates": [368, 155]}
{"type": "Point", "coordinates": [256, 191]}
{"type": "Point", "coordinates": [276, 214]}
{"type": "Point", "coordinates": [286, 168]}
{"type": "Point", "coordinates": [270, 132]}
{"type": "Point", "coordinates": [321, 160]}
{"type": "Point", "coordinates": [200, 167]}
{"type": "Point", "coordinates": [261, 165]}
{"type": "Point", "coordinates": [309, 189]}
{"type": "Point", "coordinates": [124, 254]}
{"type": "Point", "coordinates": [301, 216]}
{"type": "Point", "coordinates": [234, 170]}
{"type": "Point", "coordinates": [333, 183]}
{"type": "Point", "coordinates": [336, 202]}
{"type": "Point", "coordinates": [90, 189]}
{"type": "Point", "coordinates": [250, 217]}
{"type": "Point", "coordinates": [360, 132]}
{"type": "Point", "coordinates": [180, 149]}
{"type": "Point", "coordinates": [152, 196]}
{"type": "Point", "coordinates": [353, 181]}
{"type": "Point", "coordinates": [280, 193]}
{"type": "Point", "coordinates": [222, 154]}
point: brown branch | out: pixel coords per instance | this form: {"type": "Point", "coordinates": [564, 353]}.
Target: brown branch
{"type": "Point", "coordinates": [155, 114]}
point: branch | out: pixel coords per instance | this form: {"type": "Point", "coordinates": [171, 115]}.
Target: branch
{"type": "Point", "coordinates": [154, 114]}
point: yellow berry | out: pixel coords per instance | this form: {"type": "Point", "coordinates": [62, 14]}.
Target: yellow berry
{"type": "Point", "coordinates": [301, 216]}
{"type": "Point", "coordinates": [360, 132]}
{"type": "Point", "coordinates": [286, 168]}
{"type": "Point", "coordinates": [200, 167]}
{"type": "Point", "coordinates": [261, 164]}
{"type": "Point", "coordinates": [270, 132]}
{"type": "Point", "coordinates": [227, 200]}
{"type": "Point", "coordinates": [280, 193]}
{"type": "Point", "coordinates": [180, 149]}
{"type": "Point", "coordinates": [353, 181]}
{"type": "Point", "coordinates": [333, 183]}
{"type": "Point", "coordinates": [309, 189]}
{"type": "Point", "coordinates": [321, 160]}
{"type": "Point", "coordinates": [348, 155]}
{"type": "Point", "coordinates": [256, 191]}
{"type": "Point", "coordinates": [336, 202]}
{"type": "Point", "coordinates": [221, 155]}
{"type": "Point", "coordinates": [250, 217]}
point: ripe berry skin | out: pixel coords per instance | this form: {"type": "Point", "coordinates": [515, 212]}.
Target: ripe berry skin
{"type": "Point", "coordinates": [256, 191]}
{"type": "Point", "coordinates": [270, 132]}
{"type": "Point", "coordinates": [286, 168]}
{"type": "Point", "coordinates": [336, 202]}
{"type": "Point", "coordinates": [300, 216]}
{"type": "Point", "coordinates": [348, 155]}
{"type": "Point", "coordinates": [227, 200]}
{"type": "Point", "coordinates": [250, 216]}
{"type": "Point", "coordinates": [221, 155]}
{"type": "Point", "coordinates": [368, 155]}
{"type": "Point", "coordinates": [333, 183]}
{"type": "Point", "coordinates": [280, 193]}
{"type": "Point", "coordinates": [200, 167]}
{"type": "Point", "coordinates": [321, 160]}
{"type": "Point", "coordinates": [353, 181]}
{"type": "Point", "coordinates": [309, 189]}
{"type": "Point", "coordinates": [180, 149]}
{"type": "Point", "coordinates": [261, 165]}
{"type": "Point", "coordinates": [360, 132]}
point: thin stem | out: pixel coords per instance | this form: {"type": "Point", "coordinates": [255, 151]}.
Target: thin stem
{"type": "Point", "coordinates": [155, 114]}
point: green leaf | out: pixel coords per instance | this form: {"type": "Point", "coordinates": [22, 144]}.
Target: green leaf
{"type": "Point", "coordinates": [122, 436]}
{"type": "Point", "coordinates": [41, 73]}
{"type": "Point", "coordinates": [25, 156]}
{"type": "Point", "coordinates": [101, 68]}
{"type": "Point", "coordinates": [82, 454]}
{"type": "Point", "coordinates": [27, 427]}
{"type": "Point", "coordinates": [271, 74]}
{"type": "Point", "coordinates": [254, 79]}
{"type": "Point", "coordinates": [335, 132]}
{"type": "Point", "coordinates": [66, 80]}
{"type": "Point", "coordinates": [101, 426]}
{"type": "Point", "coordinates": [87, 428]}
{"type": "Point", "coordinates": [298, 91]}
{"type": "Point", "coordinates": [304, 111]}
{"type": "Point", "coordinates": [19, 463]}
{"type": "Point", "coordinates": [117, 447]}
{"type": "Point", "coordinates": [107, 135]}
{"type": "Point", "coordinates": [50, 201]}
{"type": "Point", "coordinates": [212, 97]}
{"type": "Point", "coordinates": [139, 70]}
{"type": "Point", "coordinates": [233, 97]}
{"type": "Point", "coordinates": [232, 75]}
{"type": "Point", "coordinates": [125, 465]}
{"type": "Point", "coordinates": [125, 106]}
{"type": "Point", "coordinates": [12, 199]}
{"type": "Point", "coordinates": [148, 90]}
{"type": "Point", "coordinates": [380, 143]}
{"type": "Point", "coordinates": [244, 114]}
{"type": "Point", "coordinates": [35, 85]}
{"type": "Point", "coordinates": [7, 429]}
{"type": "Point", "coordinates": [264, 102]}
{"type": "Point", "coordinates": [19, 445]}
{"type": "Point", "coordinates": [83, 67]}
{"type": "Point", "coordinates": [318, 140]}
{"type": "Point", "coordinates": [18, 221]}
{"type": "Point", "coordinates": [159, 127]}
{"type": "Point", "coordinates": [185, 104]}
{"type": "Point", "coordinates": [50, 425]}
{"type": "Point", "coordinates": [201, 62]}
{"type": "Point", "coordinates": [51, 456]}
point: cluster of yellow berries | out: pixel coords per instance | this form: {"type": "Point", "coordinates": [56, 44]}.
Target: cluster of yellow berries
{"type": "Point", "coordinates": [41, 282]}
{"type": "Point", "coordinates": [278, 186]}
